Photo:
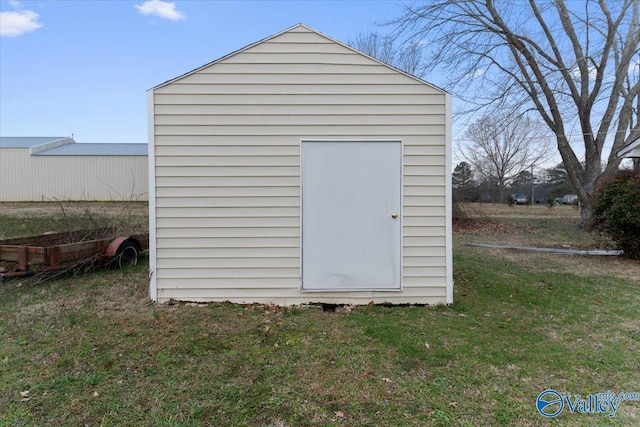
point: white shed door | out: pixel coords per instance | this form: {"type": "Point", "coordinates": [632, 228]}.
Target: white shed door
{"type": "Point", "coordinates": [351, 219]}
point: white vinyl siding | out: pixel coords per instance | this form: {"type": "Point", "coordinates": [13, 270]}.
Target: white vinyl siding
{"type": "Point", "coordinates": [227, 169]}
{"type": "Point", "coordinates": [40, 178]}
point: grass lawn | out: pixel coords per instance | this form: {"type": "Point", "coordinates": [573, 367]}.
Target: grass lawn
{"type": "Point", "coordinates": [93, 350]}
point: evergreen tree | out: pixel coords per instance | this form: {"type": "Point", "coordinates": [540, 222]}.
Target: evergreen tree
{"type": "Point", "coordinates": [463, 176]}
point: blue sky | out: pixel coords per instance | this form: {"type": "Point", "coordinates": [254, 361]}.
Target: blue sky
{"type": "Point", "coordinates": [83, 67]}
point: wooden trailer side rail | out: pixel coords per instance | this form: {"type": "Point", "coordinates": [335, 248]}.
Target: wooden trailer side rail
{"type": "Point", "coordinates": [52, 238]}
{"type": "Point", "coordinates": [52, 256]}
{"type": "Point", "coordinates": [52, 250]}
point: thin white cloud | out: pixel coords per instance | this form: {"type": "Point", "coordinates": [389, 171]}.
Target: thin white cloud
{"type": "Point", "coordinates": [477, 73]}
{"type": "Point", "coordinates": [13, 24]}
{"type": "Point", "coordinates": [591, 73]}
{"type": "Point", "coordinates": [163, 9]}
{"type": "Point", "coordinates": [14, 4]}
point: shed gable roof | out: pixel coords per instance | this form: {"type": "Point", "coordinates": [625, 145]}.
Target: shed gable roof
{"type": "Point", "coordinates": [299, 28]}
{"type": "Point", "coordinates": [28, 141]}
{"type": "Point", "coordinates": [96, 149]}
{"type": "Point", "coordinates": [64, 146]}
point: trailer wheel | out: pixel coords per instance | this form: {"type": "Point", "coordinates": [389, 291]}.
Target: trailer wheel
{"type": "Point", "coordinates": [126, 255]}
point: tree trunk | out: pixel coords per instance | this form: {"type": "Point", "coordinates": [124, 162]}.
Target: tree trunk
{"type": "Point", "coordinates": [583, 177]}
{"type": "Point", "coordinates": [586, 211]}
{"type": "Point", "coordinates": [586, 203]}
{"type": "Point", "coordinates": [585, 196]}
{"type": "Point", "coordinates": [501, 192]}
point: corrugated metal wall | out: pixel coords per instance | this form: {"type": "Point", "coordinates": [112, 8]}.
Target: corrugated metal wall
{"type": "Point", "coordinates": [227, 169]}
{"type": "Point", "coordinates": [38, 178]}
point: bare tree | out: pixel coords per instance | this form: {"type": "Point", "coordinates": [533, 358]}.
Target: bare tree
{"type": "Point", "coordinates": [404, 56]}
{"type": "Point", "coordinates": [576, 64]}
{"type": "Point", "coordinates": [500, 149]}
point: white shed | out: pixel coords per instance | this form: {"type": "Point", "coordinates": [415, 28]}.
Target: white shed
{"type": "Point", "coordinates": [58, 168]}
{"type": "Point", "coordinates": [299, 170]}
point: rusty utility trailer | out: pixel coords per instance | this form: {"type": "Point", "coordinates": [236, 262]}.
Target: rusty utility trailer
{"type": "Point", "coordinates": [26, 256]}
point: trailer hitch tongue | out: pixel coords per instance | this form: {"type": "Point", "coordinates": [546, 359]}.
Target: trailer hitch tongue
{"type": "Point", "coordinates": [15, 273]}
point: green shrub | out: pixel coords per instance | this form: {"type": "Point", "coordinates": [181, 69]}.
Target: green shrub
{"type": "Point", "coordinates": [617, 212]}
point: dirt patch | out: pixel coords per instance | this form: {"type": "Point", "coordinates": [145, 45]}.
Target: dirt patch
{"type": "Point", "coordinates": [580, 265]}
{"type": "Point", "coordinates": [47, 208]}
{"type": "Point", "coordinates": [478, 225]}
{"type": "Point", "coordinates": [22, 219]}
{"type": "Point", "coordinates": [540, 226]}
{"type": "Point", "coordinates": [497, 210]}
